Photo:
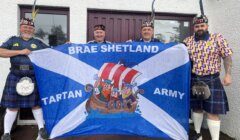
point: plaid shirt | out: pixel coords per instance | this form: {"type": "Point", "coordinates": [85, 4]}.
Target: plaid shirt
{"type": "Point", "coordinates": [206, 54]}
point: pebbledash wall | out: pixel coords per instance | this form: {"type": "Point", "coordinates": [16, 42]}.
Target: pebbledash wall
{"type": "Point", "coordinates": [223, 15]}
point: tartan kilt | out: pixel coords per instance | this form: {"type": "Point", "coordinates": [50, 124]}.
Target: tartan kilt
{"type": "Point", "coordinates": [10, 98]}
{"type": "Point", "coordinates": [217, 103]}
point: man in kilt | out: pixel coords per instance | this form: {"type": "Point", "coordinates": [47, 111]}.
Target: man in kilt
{"type": "Point", "coordinates": [17, 48]}
{"type": "Point", "coordinates": [206, 51]}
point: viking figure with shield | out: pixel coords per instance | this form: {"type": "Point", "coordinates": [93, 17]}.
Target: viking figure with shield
{"type": "Point", "coordinates": [116, 92]}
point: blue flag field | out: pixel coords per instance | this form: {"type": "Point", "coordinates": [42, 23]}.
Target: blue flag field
{"type": "Point", "coordinates": [121, 88]}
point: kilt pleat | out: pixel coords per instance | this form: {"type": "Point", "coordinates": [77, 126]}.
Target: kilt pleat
{"type": "Point", "coordinates": [217, 103]}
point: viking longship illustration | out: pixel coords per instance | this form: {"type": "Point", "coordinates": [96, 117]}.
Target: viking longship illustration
{"type": "Point", "coordinates": [114, 90]}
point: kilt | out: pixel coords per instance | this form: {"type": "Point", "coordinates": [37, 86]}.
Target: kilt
{"type": "Point", "coordinates": [217, 103]}
{"type": "Point", "coordinates": [10, 98]}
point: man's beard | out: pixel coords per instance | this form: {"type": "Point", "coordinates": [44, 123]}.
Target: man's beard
{"type": "Point", "coordinates": [26, 36]}
{"type": "Point", "coordinates": [201, 34]}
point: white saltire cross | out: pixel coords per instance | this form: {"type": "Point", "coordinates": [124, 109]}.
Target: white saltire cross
{"type": "Point", "coordinates": [82, 73]}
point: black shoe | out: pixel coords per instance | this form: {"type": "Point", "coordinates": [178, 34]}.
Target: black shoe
{"type": "Point", "coordinates": [197, 136]}
{"type": "Point", "coordinates": [42, 134]}
{"type": "Point", "coordinates": [6, 137]}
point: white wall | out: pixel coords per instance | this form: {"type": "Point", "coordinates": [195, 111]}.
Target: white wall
{"type": "Point", "coordinates": [224, 16]}
{"type": "Point", "coordinates": [9, 13]}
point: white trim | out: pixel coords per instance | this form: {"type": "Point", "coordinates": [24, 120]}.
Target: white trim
{"type": "Point", "coordinates": [25, 122]}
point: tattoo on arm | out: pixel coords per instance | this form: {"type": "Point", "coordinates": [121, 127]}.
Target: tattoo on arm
{"type": "Point", "coordinates": [227, 61]}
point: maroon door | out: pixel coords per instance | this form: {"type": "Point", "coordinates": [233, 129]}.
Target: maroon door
{"type": "Point", "coordinates": [122, 26]}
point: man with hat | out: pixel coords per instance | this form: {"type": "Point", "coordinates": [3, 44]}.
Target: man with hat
{"type": "Point", "coordinates": [208, 95]}
{"type": "Point", "coordinates": [147, 32]}
{"type": "Point", "coordinates": [99, 34]}
{"type": "Point", "coordinates": [20, 90]}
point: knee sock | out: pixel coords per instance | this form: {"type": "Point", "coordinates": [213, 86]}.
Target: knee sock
{"type": "Point", "coordinates": [38, 115]}
{"type": "Point", "coordinates": [197, 120]}
{"type": "Point", "coordinates": [214, 128]}
{"type": "Point", "coordinates": [9, 119]}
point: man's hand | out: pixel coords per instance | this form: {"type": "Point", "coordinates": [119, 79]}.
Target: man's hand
{"type": "Point", "coordinates": [227, 80]}
{"type": "Point", "coordinates": [24, 52]}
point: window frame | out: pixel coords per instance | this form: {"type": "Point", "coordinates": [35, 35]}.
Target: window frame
{"type": "Point", "coordinates": [48, 10]}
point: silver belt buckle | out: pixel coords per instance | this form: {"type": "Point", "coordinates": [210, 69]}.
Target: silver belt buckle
{"type": "Point", "coordinates": [24, 67]}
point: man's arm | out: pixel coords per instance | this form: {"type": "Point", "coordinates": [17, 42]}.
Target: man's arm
{"type": "Point", "coordinates": [227, 61]}
{"type": "Point", "coordinates": [5, 53]}
{"type": "Point", "coordinates": [226, 53]}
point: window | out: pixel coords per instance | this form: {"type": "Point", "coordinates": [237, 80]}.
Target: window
{"type": "Point", "coordinates": [52, 24]}
{"type": "Point", "coordinates": [171, 30]}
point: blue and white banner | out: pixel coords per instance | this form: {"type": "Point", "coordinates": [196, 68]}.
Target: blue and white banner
{"type": "Point", "coordinates": [123, 88]}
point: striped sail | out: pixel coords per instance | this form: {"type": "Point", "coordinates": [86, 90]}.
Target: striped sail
{"type": "Point", "coordinates": [118, 73]}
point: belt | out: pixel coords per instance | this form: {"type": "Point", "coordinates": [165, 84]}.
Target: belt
{"type": "Point", "coordinates": [21, 67]}
{"type": "Point", "coordinates": [206, 76]}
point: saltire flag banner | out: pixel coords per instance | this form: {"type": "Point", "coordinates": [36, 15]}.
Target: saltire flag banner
{"type": "Point", "coordinates": [134, 88]}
